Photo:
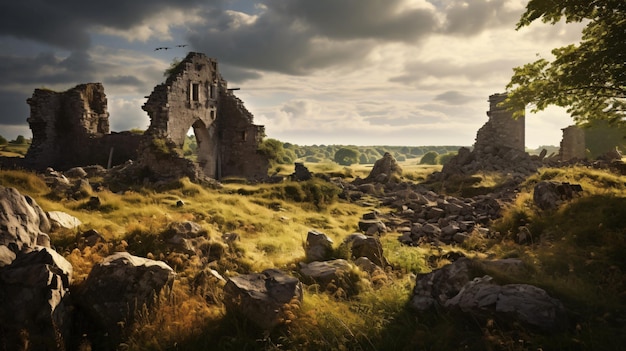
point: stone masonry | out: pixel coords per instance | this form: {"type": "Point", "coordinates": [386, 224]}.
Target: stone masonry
{"type": "Point", "coordinates": [196, 96]}
{"type": "Point", "coordinates": [573, 144]}
{"type": "Point", "coordinates": [501, 130]}
{"type": "Point", "coordinates": [499, 147]}
{"type": "Point", "coordinates": [71, 128]}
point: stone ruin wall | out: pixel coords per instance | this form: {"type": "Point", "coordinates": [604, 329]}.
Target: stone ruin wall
{"type": "Point", "coordinates": [573, 144]}
{"type": "Point", "coordinates": [195, 96]}
{"type": "Point", "coordinates": [240, 140]}
{"type": "Point", "coordinates": [71, 128]}
{"type": "Point", "coordinates": [501, 130]}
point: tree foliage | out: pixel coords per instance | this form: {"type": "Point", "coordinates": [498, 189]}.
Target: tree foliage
{"type": "Point", "coordinates": [589, 79]}
{"type": "Point", "coordinates": [429, 158]}
{"type": "Point", "coordinates": [20, 140]}
{"type": "Point", "coordinates": [346, 156]}
{"type": "Point", "coordinates": [3, 140]}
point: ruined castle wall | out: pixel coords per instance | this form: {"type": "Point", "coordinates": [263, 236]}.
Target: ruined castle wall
{"type": "Point", "coordinates": [239, 140]}
{"type": "Point", "coordinates": [501, 130]}
{"type": "Point", "coordinates": [195, 95]}
{"type": "Point", "coordinates": [573, 144]}
{"type": "Point", "coordinates": [188, 96]}
{"type": "Point", "coordinates": [65, 125]}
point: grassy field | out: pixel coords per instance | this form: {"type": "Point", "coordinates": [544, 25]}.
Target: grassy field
{"type": "Point", "coordinates": [577, 255]}
{"type": "Point", "coordinates": [14, 150]}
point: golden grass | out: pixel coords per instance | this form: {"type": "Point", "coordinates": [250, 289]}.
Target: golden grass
{"type": "Point", "coordinates": [576, 254]}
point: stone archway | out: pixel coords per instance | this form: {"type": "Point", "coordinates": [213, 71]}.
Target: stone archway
{"type": "Point", "coordinates": [206, 152]}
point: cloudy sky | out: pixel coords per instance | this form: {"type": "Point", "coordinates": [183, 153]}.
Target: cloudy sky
{"type": "Point", "coordinates": [363, 72]}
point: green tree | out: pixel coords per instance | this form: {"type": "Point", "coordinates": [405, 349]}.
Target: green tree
{"type": "Point", "coordinates": [20, 140]}
{"type": "Point", "coordinates": [3, 140]}
{"type": "Point", "coordinates": [429, 158]}
{"type": "Point", "coordinates": [346, 156]}
{"type": "Point", "coordinates": [589, 79]}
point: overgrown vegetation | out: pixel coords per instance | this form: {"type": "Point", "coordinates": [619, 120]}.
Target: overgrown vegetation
{"type": "Point", "coordinates": [575, 252]}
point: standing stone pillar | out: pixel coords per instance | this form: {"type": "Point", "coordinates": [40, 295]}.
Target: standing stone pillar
{"type": "Point", "coordinates": [573, 144]}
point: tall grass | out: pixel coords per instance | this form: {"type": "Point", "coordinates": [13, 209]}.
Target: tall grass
{"type": "Point", "coordinates": [576, 254]}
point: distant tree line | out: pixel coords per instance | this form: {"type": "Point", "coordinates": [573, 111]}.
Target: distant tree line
{"type": "Point", "coordinates": [288, 153]}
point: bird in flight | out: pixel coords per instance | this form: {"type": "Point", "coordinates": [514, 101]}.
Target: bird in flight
{"type": "Point", "coordinates": [162, 48]}
{"type": "Point", "coordinates": [181, 45]}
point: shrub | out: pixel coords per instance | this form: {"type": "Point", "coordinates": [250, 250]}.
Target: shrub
{"type": "Point", "coordinates": [429, 158]}
{"type": "Point", "coordinates": [346, 156]}
{"type": "Point", "coordinates": [443, 159]}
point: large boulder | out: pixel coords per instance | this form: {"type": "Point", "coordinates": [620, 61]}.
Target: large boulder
{"type": "Point", "coordinates": [318, 246]}
{"type": "Point", "coordinates": [22, 221]}
{"type": "Point", "coordinates": [385, 170]}
{"type": "Point", "coordinates": [523, 303]}
{"type": "Point", "coordinates": [119, 286]}
{"type": "Point", "coordinates": [462, 286]}
{"type": "Point", "coordinates": [324, 273]}
{"type": "Point", "coordinates": [264, 298]}
{"type": "Point", "coordinates": [366, 246]}
{"type": "Point", "coordinates": [436, 287]}
{"type": "Point", "coordinates": [36, 314]}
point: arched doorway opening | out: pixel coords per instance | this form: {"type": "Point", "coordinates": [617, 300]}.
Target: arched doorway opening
{"type": "Point", "coordinates": [201, 147]}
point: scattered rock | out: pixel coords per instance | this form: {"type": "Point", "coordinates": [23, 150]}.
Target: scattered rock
{"type": "Point", "coordinates": [301, 173]}
{"type": "Point", "coordinates": [548, 195]}
{"type": "Point", "coordinates": [263, 298]}
{"type": "Point", "coordinates": [459, 286]}
{"type": "Point", "coordinates": [385, 170]}
{"type": "Point", "coordinates": [366, 246]}
{"type": "Point", "coordinates": [318, 246]}
{"type": "Point", "coordinates": [34, 305]}
{"type": "Point", "coordinates": [119, 286]}
{"type": "Point", "coordinates": [59, 219]}
{"type": "Point", "coordinates": [76, 172]}
{"type": "Point", "coordinates": [523, 303]}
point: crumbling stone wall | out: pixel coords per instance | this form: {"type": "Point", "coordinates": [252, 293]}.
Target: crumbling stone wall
{"type": "Point", "coordinates": [573, 144]}
{"type": "Point", "coordinates": [196, 96]}
{"type": "Point", "coordinates": [71, 128]}
{"type": "Point", "coordinates": [499, 147]}
{"type": "Point", "coordinates": [239, 140]}
{"type": "Point", "coordinates": [501, 130]}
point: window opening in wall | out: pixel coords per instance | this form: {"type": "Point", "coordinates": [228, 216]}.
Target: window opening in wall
{"type": "Point", "coordinates": [212, 88]}
{"type": "Point", "coordinates": [195, 92]}
{"type": "Point", "coordinates": [244, 135]}
{"type": "Point", "coordinates": [212, 115]}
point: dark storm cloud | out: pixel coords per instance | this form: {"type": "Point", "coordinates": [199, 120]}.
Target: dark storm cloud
{"type": "Point", "coordinates": [300, 36]}
{"type": "Point", "coordinates": [46, 68]}
{"type": "Point", "coordinates": [66, 23]}
{"type": "Point", "coordinates": [358, 19]}
{"type": "Point", "coordinates": [13, 108]}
